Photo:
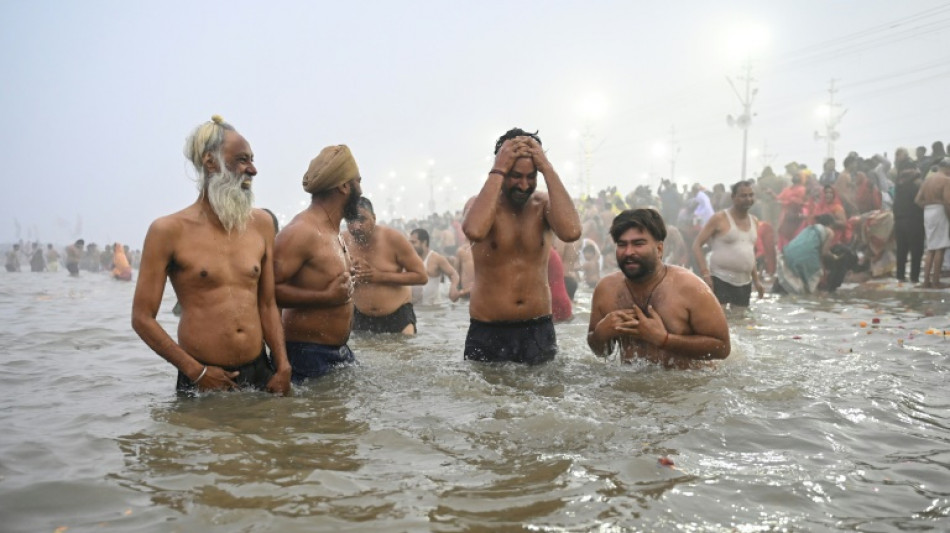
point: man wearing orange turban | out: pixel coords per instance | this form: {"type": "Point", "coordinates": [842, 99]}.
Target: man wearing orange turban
{"type": "Point", "coordinates": [312, 268]}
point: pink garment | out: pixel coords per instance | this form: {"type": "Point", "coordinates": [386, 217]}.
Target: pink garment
{"type": "Point", "coordinates": [560, 302]}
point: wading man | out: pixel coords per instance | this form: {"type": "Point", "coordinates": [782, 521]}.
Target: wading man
{"type": "Point", "coordinates": [437, 267]}
{"type": "Point", "coordinates": [510, 226]}
{"type": "Point", "coordinates": [384, 267]}
{"type": "Point", "coordinates": [218, 254]}
{"type": "Point", "coordinates": [312, 267]}
{"type": "Point", "coordinates": [731, 271]}
{"type": "Point", "coordinates": [661, 313]}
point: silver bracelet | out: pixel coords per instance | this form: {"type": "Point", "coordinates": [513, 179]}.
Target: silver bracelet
{"type": "Point", "coordinates": [201, 375]}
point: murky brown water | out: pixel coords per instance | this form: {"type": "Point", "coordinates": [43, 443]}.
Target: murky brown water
{"type": "Point", "coordinates": [813, 424]}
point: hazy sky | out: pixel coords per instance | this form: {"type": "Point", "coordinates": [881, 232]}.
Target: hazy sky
{"type": "Point", "coordinates": [97, 97]}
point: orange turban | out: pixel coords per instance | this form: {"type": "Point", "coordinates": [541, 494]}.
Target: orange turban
{"type": "Point", "coordinates": [333, 167]}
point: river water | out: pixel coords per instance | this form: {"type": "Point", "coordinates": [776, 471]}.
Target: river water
{"type": "Point", "coordinates": [814, 423]}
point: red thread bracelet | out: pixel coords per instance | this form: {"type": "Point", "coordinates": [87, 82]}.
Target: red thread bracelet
{"type": "Point", "coordinates": [496, 171]}
{"type": "Point", "coordinates": [662, 344]}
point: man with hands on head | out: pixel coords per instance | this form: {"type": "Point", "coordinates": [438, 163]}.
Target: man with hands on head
{"type": "Point", "coordinates": [510, 226]}
{"type": "Point", "coordinates": [662, 313]}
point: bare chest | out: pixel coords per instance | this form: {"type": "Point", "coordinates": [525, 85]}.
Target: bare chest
{"type": "Point", "coordinates": [218, 262]}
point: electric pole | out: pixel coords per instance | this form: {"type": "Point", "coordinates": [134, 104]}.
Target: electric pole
{"type": "Point", "coordinates": [745, 119]}
{"type": "Point", "coordinates": [831, 121]}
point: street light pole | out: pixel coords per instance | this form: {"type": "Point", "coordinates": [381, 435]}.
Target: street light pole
{"type": "Point", "coordinates": [832, 120]}
{"type": "Point", "coordinates": [745, 119]}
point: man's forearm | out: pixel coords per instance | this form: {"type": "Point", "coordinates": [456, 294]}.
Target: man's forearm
{"type": "Point", "coordinates": [292, 297]}
{"type": "Point", "coordinates": [696, 346]}
{"type": "Point", "coordinates": [152, 333]}
{"type": "Point", "coordinates": [274, 335]}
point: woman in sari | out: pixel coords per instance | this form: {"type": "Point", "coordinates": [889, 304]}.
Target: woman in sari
{"type": "Point", "coordinates": [830, 204]}
{"type": "Point", "coordinates": [792, 200]}
{"type": "Point", "coordinates": [800, 268]}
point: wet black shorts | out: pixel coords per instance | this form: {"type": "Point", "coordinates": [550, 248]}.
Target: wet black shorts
{"type": "Point", "coordinates": [311, 360]}
{"type": "Point", "coordinates": [392, 323]}
{"type": "Point", "coordinates": [523, 341]}
{"type": "Point", "coordinates": [728, 293]}
{"type": "Point", "coordinates": [253, 375]}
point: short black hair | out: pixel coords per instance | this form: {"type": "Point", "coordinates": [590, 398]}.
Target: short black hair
{"type": "Point", "coordinates": [364, 203]}
{"type": "Point", "coordinates": [742, 183]}
{"type": "Point", "coordinates": [421, 234]}
{"type": "Point", "coordinates": [647, 219]}
{"type": "Point", "coordinates": [511, 134]}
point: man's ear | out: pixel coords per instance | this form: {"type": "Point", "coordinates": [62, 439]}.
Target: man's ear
{"type": "Point", "coordinates": [209, 163]}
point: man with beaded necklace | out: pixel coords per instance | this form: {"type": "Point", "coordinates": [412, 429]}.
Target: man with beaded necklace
{"type": "Point", "coordinates": [662, 313]}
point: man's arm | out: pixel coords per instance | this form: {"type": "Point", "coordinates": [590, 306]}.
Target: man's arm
{"type": "Point", "coordinates": [919, 199]}
{"type": "Point", "coordinates": [413, 269]}
{"type": "Point", "coordinates": [560, 213]}
{"type": "Point", "coordinates": [292, 249]}
{"type": "Point", "coordinates": [756, 282]}
{"type": "Point", "coordinates": [445, 267]}
{"type": "Point", "coordinates": [481, 216]}
{"type": "Point", "coordinates": [708, 232]}
{"type": "Point", "coordinates": [605, 327]}
{"type": "Point", "coordinates": [271, 326]}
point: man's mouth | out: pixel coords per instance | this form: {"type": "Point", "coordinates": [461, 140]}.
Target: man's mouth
{"type": "Point", "coordinates": [246, 183]}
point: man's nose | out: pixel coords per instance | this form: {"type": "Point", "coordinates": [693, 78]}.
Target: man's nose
{"type": "Point", "coordinates": [251, 169]}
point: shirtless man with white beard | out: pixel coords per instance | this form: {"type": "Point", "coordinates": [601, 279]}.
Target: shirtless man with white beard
{"type": "Point", "coordinates": [218, 254]}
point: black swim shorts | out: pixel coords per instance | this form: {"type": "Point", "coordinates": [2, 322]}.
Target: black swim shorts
{"type": "Point", "coordinates": [727, 293]}
{"type": "Point", "coordinates": [523, 341]}
{"type": "Point", "coordinates": [391, 323]}
{"type": "Point", "coordinates": [311, 360]}
{"type": "Point", "coordinates": [253, 375]}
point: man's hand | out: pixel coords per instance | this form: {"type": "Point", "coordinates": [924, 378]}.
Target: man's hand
{"type": "Point", "coordinates": [341, 288]}
{"type": "Point", "coordinates": [217, 378]}
{"type": "Point", "coordinates": [538, 156]}
{"type": "Point", "coordinates": [650, 327]}
{"type": "Point", "coordinates": [760, 289]}
{"type": "Point", "coordinates": [509, 152]}
{"type": "Point", "coordinates": [279, 383]}
{"type": "Point", "coordinates": [617, 323]}
{"type": "Point", "coordinates": [363, 272]}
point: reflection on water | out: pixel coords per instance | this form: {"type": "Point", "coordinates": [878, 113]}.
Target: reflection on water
{"type": "Point", "coordinates": [831, 414]}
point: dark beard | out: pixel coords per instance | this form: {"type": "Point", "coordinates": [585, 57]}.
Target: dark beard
{"type": "Point", "coordinates": [647, 268]}
{"type": "Point", "coordinates": [514, 198]}
{"type": "Point", "coordinates": [351, 209]}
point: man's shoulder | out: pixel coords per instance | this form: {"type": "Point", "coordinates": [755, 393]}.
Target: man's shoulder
{"type": "Point", "coordinates": [682, 275]}
{"type": "Point", "coordinates": [610, 281]}
{"type": "Point", "coordinates": [174, 221]}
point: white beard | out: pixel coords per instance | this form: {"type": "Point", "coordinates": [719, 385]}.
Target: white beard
{"type": "Point", "coordinates": [230, 202]}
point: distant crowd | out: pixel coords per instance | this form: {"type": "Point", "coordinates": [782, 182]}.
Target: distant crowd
{"type": "Point", "coordinates": [876, 220]}
{"type": "Point", "coordinates": [33, 256]}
